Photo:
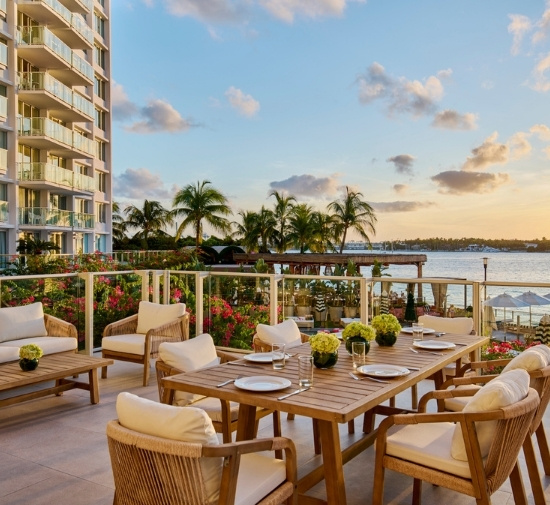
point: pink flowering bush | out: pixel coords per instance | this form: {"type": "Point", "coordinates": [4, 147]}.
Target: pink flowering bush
{"type": "Point", "coordinates": [503, 350]}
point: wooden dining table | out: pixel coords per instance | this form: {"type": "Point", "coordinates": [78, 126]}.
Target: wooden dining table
{"type": "Point", "coordinates": [334, 399]}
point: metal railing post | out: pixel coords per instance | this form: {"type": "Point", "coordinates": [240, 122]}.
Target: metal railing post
{"type": "Point", "coordinates": [88, 278]}
{"type": "Point", "coordinates": [144, 284]}
{"type": "Point", "coordinates": [166, 291]}
{"type": "Point", "coordinates": [199, 299]}
{"type": "Point", "coordinates": [363, 301]}
{"type": "Point", "coordinates": [273, 301]}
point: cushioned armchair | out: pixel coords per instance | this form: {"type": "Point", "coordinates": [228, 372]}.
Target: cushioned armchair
{"type": "Point", "coordinates": [199, 353]}
{"type": "Point", "coordinates": [462, 451]}
{"type": "Point", "coordinates": [137, 338]}
{"type": "Point", "coordinates": [161, 454]}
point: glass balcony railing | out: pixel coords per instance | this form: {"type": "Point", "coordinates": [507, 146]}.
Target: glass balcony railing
{"type": "Point", "coordinates": [84, 182]}
{"type": "Point", "coordinates": [83, 143]}
{"type": "Point", "coordinates": [39, 216]}
{"type": "Point", "coordinates": [4, 214]}
{"type": "Point", "coordinates": [40, 35]}
{"type": "Point", "coordinates": [3, 5]}
{"type": "Point", "coordinates": [46, 172]}
{"type": "Point", "coordinates": [3, 53]}
{"type": "Point", "coordinates": [33, 81]}
{"type": "Point", "coordinates": [3, 106]}
{"type": "Point", "coordinates": [78, 23]}
{"type": "Point", "coordinates": [3, 159]}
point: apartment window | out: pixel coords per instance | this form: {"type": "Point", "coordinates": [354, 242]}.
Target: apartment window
{"type": "Point", "coordinates": [100, 119]}
{"type": "Point", "coordinates": [99, 88]}
{"type": "Point", "coordinates": [100, 57]}
{"type": "Point", "coordinates": [3, 140]}
{"type": "Point", "coordinates": [3, 192]}
{"type": "Point", "coordinates": [100, 182]}
{"type": "Point", "coordinates": [99, 25]}
{"type": "Point", "coordinates": [100, 150]}
{"type": "Point", "coordinates": [82, 169]}
{"type": "Point", "coordinates": [100, 212]}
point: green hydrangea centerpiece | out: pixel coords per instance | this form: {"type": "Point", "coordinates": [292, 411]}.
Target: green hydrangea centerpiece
{"type": "Point", "coordinates": [30, 351]}
{"type": "Point", "coordinates": [324, 343]}
{"type": "Point", "coordinates": [357, 329]}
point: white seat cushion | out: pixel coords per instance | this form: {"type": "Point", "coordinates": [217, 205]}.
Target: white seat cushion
{"type": "Point", "coordinates": [8, 354]}
{"type": "Point", "coordinates": [259, 474]}
{"type": "Point", "coordinates": [286, 332]}
{"type": "Point", "coordinates": [448, 324]}
{"type": "Point", "coordinates": [175, 423]}
{"type": "Point", "coordinates": [152, 315]}
{"type": "Point", "coordinates": [49, 345]}
{"type": "Point", "coordinates": [212, 407]}
{"type": "Point", "coordinates": [530, 360]}
{"type": "Point", "coordinates": [133, 343]}
{"type": "Point", "coordinates": [22, 322]}
{"type": "Point", "coordinates": [506, 389]}
{"type": "Point", "coordinates": [428, 445]}
{"type": "Point", "coordinates": [457, 404]}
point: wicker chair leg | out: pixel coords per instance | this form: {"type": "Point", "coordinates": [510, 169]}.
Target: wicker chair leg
{"type": "Point", "coordinates": [518, 489]}
{"type": "Point", "coordinates": [543, 448]}
{"type": "Point", "coordinates": [533, 471]}
{"type": "Point", "coordinates": [146, 373]}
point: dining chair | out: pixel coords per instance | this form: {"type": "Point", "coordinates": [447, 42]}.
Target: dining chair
{"type": "Point", "coordinates": [137, 338]}
{"type": "Point", "coordinates": [538, 367]}
{"type": "Point", "coordinates": [165, 455]}
{"type": "Point", "coordinates": [461, 451]}
{"type": "Point", "coordinates": [195, 353]}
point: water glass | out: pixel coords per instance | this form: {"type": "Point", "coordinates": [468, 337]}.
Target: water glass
{"type": "Point", "coordinates": [418, 332]}
{"type": "Point", "coordinates": [305, 371]}
{"type": "Point", "coordinates": [358, 351]}
{"type": "Point", "coordinates": [278, 356]}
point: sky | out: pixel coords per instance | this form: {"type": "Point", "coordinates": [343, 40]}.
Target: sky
{"type": "Point", "coordinates": [437, 112]}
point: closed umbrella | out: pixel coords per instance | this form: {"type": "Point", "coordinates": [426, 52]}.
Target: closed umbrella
{"type": "Point", "coordinates": [532, 299]}
{"type": "Point", "coordinates": [505, 300]}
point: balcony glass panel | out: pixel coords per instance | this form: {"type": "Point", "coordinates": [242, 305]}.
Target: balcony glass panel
{"type": "Point", "coordinates": [83, 144]}
{"type": "Point", "coordinates": [82, 66]}
{"type": "Point", "coordinates": [3, 106]}
{"type": "Point", "coordinates": [3, 53]}
{"type": "Point", "coordinates": [84, 182]}
{"type": "Point", "coordinates": [44, 127]}
{"type": "Point", "coordinates": [3, 5]}
{"type": "Point", "coordinates": [45, 172]}
{"type": "Point", "coordinates": [81, 27]}
{"type": "Point", "coordinates": [83, 105]}
{"type": "Point", "coordinates": [81, 220]}
{"type": "Point", "coordinates": [59, 8]}
{"type": "Point", "coordinates": [3, 159]}
{"type": "Point", "coordinates": [4, 214]}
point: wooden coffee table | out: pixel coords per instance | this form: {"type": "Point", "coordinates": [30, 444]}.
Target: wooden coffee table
{"type": "Point", "coordinates": [53, 367]}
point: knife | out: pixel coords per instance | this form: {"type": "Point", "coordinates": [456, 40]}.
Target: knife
{"type": "Point", "coordinates": [292, 394]}
{"type": "Point", "coordinates": [244, 364]}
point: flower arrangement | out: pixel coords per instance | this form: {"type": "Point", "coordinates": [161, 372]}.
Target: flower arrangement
{"type": "Point", "coordinates": [502, 350]}
{"type": "Point", "coordinates": [30, 351]}
{"type": "Point", "coordinates": [324, 343]}
{"type": "Point", "coordinates": [385, 324]}
{"type": "Point", "coordinates": [357, 329]}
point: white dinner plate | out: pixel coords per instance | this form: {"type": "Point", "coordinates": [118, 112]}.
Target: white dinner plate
{"type": "Point", "coordinates": [409, 329]}
{"type": "Point", "coordinates": [383, 370]}
{"type": "Point", "coordinates": [434, 345]}
{"type": "Point", "coordinates": [261, 357]}
{"type": "Point", "coordinates": [262, 383]}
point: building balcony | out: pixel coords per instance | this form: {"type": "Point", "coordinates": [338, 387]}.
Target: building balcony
{"type": "Point", "coordinates": [68, 26]}
{"type": "Point", "coordinates": [39, 216]}
{"type": "Point", "coordinates": [82, 6]}
{"type": "Point", "coordinates": [4, 213]}
{"type": "Point", "coordinates": [43, 91]}
{"type": "Point", "coordinates": [40, 46]}
{"type": "Point", "coordinates": [45, 174]}
{"type": "Point", "coordinates": [3, 160]}
{"type": "Point", "coordinates": [43, 133]}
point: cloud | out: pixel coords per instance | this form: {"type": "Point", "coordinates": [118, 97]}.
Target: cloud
{"type": "Point", "coordinates": [542, 131]}
{"type": "Point", "coordinates": [546, 151]}
{"type": "Point", "coordinates": [209, 11]}
{"type": "Point", "coordinates": [400, 188]}
{"type": "Point", "coordinates": [286, 10]}
{"type": "Point", "coordinates": [159, 116]}
{"type": "Point", "coordinates": [543, 25]}
{"type": "Point", "coordinates": [453, 120]}
{"type": "Point", "coordinates": [123, 108]}
{"type": "Point", "coordinates": [488, 153]}
{"type": "Point", "coordinates": [519, 145]}
{"type": "Point", "coordinates": [518, 27]}
{"type": "Point", "coordinates": [456, 182]}
{"type": "Point", "coordinates": [541, 81]}
{"type": "Point", "coordinates": [400, 206]}
{"type": "Point", "coordinates": [139, 184]}
{"type": "Point", "coordinates": [244, 104]}
{"type": "Point", "coordinates": [403, 163]}
{"type": "Point", "coordinates": [401, 95]}
{"type": "Point", "coordinates": [307, 185]}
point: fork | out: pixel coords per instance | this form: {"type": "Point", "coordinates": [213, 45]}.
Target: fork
{"type": "Point", "coordinates": [370, 378]}
{"type": "Point", "coordinates": [429, 352]}
{"type": "Point", "coordinates": [229, 381]}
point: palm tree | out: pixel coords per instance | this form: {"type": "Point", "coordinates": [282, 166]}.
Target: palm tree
{"type": "Point", "coordinates": [246, 230]}
{"type": "Point", "coordinates": [265, 228]}
{"type": "Point", "coordinates": [323, 233]}
{"type": "Point", "coordinates": [283, 209]}
{"type": "Point", "coordinates": [352, 212]}
{"type": "Point", "coordinates": [199, 202]}
{"type": "Point", "coordinates": [301, 227]}
{"type": "Point", "coordinates": [119, 224]}
{"type": "Point", "coordinates": [149, 220]}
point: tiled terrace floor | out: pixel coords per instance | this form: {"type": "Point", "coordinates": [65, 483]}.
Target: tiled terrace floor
{"type": "Point", "coordinates": [53, 450]}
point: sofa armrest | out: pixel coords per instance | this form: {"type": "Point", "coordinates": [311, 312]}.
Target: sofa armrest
{"type": "Point", "coordinates": [56, 327]}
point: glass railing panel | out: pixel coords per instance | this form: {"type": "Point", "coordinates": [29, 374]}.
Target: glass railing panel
{"type": "Point", "coordinates": [3, 53]}
{"type": "Point", "coordinates": [56, 217]}
{"type": "Point", "coordinates": [3, 106]}
{"type": "Point", "coordinates": [81, 220]}
{"type": "Point", "coordinates": [58, 89]}
{"type": "Point", "coordinates": [87, 4]}
{"type": "Point", "coordinates": [31, 216]}
{"type": "Point", "coordinates": [59, 9]}
{"type": "Point", "coordinates": [83, 105]}
{"type": "Point", "coordinates": [84, 182]}
{"type": "Point", "coordinates": [4, 213]}
{"type": "Point", "coordinates": [83, 143]}
{"type": "Point", "coordinates": [3, 159]}
{"type": "Point", "coordinates": [3, 5]}
{"type": "Point", "coordinates": [82, 66]}
{"type": "Point", "coordinates": [81, 27]}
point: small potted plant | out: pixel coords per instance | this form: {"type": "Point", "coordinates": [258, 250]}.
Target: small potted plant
{"type": "Point", "coordinates": [358, 332]}
{"type": "Point", "coordinates": [324, 349]}
{"type": "Point", "coordinates": [28, 357]}
{"type": "Point", "coordinates": [387, 328]}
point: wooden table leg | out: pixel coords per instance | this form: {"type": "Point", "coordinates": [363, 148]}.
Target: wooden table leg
{"type": "Point", "coordinates": [247, 422]}
{"type": "Point", "coordinates": [332, 462]}
{"type": "Point", "coordinates": [94, 386]}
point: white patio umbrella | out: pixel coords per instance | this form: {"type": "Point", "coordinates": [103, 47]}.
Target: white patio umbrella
{"type": "Point", "coordinates": [532, 299]}
{"type": "Point", "coordinates": [504, 300]}
{"type": "Point", "coordinates": [547, 296]}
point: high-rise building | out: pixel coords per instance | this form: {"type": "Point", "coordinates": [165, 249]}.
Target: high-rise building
{"type": "Point", "coordinates": [55, 124]}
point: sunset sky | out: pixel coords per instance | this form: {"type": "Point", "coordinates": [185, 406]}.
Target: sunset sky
{"type": "Point", "coordinates": [438, 112]}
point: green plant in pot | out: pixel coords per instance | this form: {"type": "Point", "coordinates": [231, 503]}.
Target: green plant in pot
{"type": "Point", "coordinates": [28, 357]}
{"type": "Point", "coordinates": [387, 328]}
{"type": "Point", "coordinates": [358, 332]}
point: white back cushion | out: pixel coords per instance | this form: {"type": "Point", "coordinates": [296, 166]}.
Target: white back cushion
{"type": "Point", "coordinates": [448, 324]}
{"type": "Point", "coordinates": [530, 360]}
{"type": "Point", "coordinates": [286, 332]}
{"type": "Point", "coordinates": [189, 355]}
{"type": "Point", "coordinates": [506, 389]}
{"type": "Point", "coordinates": [175, 423]}
{"type": "Point", "coordinates": [152, 315]}
{"type": "Point", "coordinates": [22, 322]}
